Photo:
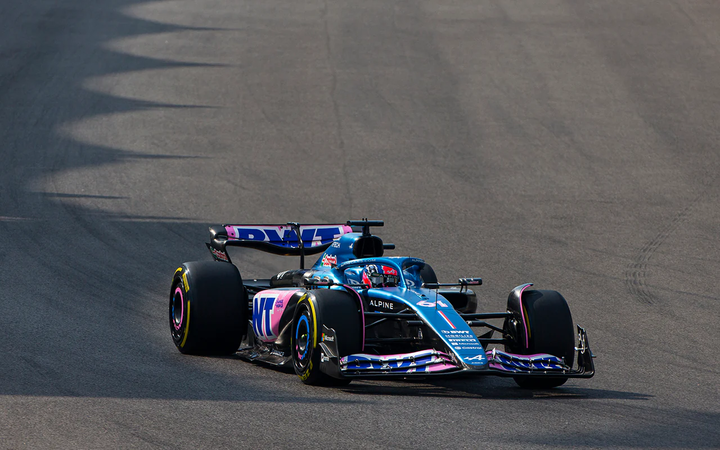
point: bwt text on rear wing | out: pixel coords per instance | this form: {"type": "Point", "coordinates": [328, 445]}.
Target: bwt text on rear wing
{"type": "Point", "coordinates": [291, 239]}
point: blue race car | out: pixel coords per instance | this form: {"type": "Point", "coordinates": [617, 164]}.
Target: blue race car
{"type": "Point", "coordinates": [359, 314]}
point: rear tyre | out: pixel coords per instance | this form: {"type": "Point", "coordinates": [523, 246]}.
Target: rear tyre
{"type": "Point", "coordinates": [549, 328]}
{"type": "Point", "coordinates": [334, 309]}
{"type": "Point", "coordinates": [208, 308]}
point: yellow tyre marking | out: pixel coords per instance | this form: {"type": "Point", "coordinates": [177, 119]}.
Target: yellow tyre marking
{"type": "Point", "coordinates": [187, 325]}
{"type": "Point", "coordinates": [306, 375]}
{"type": "Point", "coordinates": [185, 282]}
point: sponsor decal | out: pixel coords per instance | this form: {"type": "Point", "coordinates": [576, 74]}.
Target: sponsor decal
{"type": "Point", "coordinates": [367, 261]}
{"type": "Point", "coordinates": [220, 256]}
{"type": "Point", "coordinates": [479, 357]}
{"type": "Point", "coordinates": [327, 338]}
{"type": "Point", "coordinates": [456, 332]}
{"type": "Point", "coordinates": [329, 260]}
{"type": "Point", "coordinates": [335, 244]}
{"type": "Point", "coordinates": [389, 270]}
{"type": "Point", "coordinates": [277, 353]}
{"type": "Point", "coordinates": [382, 304]}
{"type": "Point", "coordinates": [262, 316]}
{"type": "Point", "coordinates": [284, 235]}
{"type": "Point", "coordinates": [461, 339]}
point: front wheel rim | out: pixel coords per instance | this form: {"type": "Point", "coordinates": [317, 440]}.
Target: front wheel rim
{"type": "Point", "coordinates": [303, 344]}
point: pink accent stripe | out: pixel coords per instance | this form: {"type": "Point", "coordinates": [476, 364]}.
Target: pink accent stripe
{"type": "Point", "coordinates": [518, 355]}
{"type": "Point", "coordinates": [522, 313]}
{"type": "Point", "coordinates": [418, 354]}
{"type": "Point", "coordinates": [440, 367]}
{"type": "Point", "coordinates": [182, 310]}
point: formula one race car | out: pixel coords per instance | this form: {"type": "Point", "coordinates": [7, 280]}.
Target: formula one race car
{"type": "Point", "coordinates": [359, 314]}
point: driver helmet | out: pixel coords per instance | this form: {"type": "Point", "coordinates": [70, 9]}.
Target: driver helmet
{"type": "Point", "coordinates": [379, 276]}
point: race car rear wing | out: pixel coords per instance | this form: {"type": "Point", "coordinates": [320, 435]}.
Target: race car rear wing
{"type": "Point", "coordinates": [291, 239]}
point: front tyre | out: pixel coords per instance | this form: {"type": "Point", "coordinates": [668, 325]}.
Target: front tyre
{"type": "Point", "coordinates": [304, 342]}
{"type": "Point", "coordinates": [208, 309]}
{"type": "Point", "coordinates": [549, 324]}
{"type": "Point", "coordinates": [336, 310]}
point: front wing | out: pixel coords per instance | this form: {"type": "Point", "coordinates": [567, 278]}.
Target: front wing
{"type": "Point", "coordinates": [438, 362]}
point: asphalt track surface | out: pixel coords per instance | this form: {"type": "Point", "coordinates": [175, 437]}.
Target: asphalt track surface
{"type": "Point", "coordinates": [567, 143]}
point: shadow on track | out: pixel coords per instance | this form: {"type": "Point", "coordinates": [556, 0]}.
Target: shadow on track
{"type": "Point", "coordinates": [484, 388]}
{"type": "Point", "coordinates": [80, 286]}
